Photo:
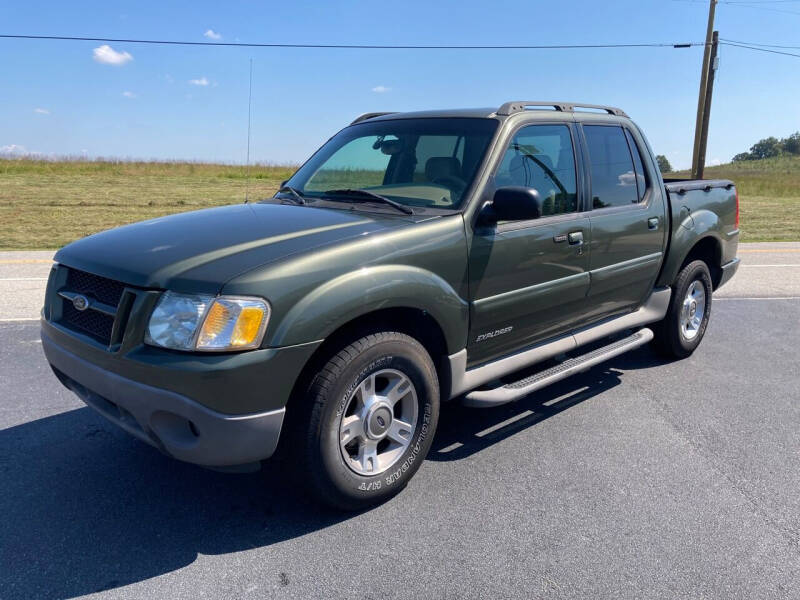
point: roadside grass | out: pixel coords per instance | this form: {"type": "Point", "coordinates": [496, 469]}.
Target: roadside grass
{"type": "Point", "coordinates": [45, 204]}
{"type": "Point", "coordinates": [769, 196]}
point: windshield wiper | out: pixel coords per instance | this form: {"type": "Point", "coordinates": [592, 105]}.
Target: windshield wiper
{"type": "Point", "coordinates": [297, 197]}
{"type": "Point", "coordinates": [371, 195]}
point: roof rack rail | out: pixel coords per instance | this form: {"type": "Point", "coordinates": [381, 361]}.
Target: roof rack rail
{"type": "Point", "coordinates": [370, 115]}
{"type": "Point", "coordinates": [509, 108]}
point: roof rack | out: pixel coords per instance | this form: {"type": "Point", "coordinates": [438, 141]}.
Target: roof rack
{"type": "Point", "coordinates": [509, 108]}
{"type": "Point", "coordinates": [370, 115]}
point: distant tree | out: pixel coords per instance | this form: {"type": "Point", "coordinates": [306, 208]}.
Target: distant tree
{"type": "Point", "coordinates": [791, 144]}
{"type": "Point", "coordinates": [663, 163]}
{"type": "Point", "coordinates": [766, 148]}
{"type": "Point", "coordinates": [742, 156]}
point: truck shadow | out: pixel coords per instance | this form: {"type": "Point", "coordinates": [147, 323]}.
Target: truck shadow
{"type": "Point", "coordinates": [86, 508]}
{"type": "Point", "coordinates": [464, 431]}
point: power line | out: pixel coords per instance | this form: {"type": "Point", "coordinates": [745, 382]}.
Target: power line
{"type": "Point", "coordinates": [759, 7]}
{"type": "Point", "coordinates": [748, 47]}
{"type": "Point", "coordinates": [735, 43]}
{"type": "Point", "coordinates": [747, 4]}
{"type": "Point", "coordinates": [761, 45]}
{"type": "Point", "coordinates": [753, 2]}
{"type": "Point", "coordinates": [350, 46]}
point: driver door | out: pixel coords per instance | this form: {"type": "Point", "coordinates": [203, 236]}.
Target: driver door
{"type": "Point", "coordinates": [529, 279]}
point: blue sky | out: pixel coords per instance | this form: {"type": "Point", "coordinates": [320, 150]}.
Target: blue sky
{"type": "Point", "coordinates": [174, 102]}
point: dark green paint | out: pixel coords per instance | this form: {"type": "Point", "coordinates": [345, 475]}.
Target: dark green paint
{"type": "Point", "coordinates": [322, 268]}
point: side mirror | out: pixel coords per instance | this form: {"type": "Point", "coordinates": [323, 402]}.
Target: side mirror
{"type": "Point", "coordinates": [516, 203]}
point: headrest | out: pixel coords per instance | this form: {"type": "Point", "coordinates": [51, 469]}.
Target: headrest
{"type": "Point", "coordinates": [442, 166]}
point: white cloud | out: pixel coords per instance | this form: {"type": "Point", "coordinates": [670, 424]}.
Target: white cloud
{"type": "Point", "coordinates": [381, 89]}
{"type": "Point", "coordinates": [106, 55]}
{"type": "Point", "coordinates": [202, 81]}
{"type": "Point", "coordinates": [212, 35]}
{"type": "Point", "coordinates": [714, 162]}
{"type": "Point", "coordinates": [16, 150]}
{"type": "Point", "coordinates": [41, 111]}
{"type": "Point", "coordinates": [128, 94]}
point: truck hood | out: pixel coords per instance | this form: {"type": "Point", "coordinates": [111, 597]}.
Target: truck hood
{"type": "Point", "coordinates": [199, 251]}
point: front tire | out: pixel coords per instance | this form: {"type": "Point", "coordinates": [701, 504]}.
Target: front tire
{"type": "Point", "coordinates": [370, 416]}
{"type": "Point", "coordinates": [683, 327]}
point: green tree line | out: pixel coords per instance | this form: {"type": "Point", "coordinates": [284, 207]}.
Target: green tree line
{"type": "Point", "coordinates": [771, 146]}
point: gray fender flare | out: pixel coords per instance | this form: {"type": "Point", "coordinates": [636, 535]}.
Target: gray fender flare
{"type": "Point", "coordinates": [357, 293]}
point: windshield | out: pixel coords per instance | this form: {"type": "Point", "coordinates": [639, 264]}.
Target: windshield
{"type": "Point", "coordinates": [416, 162]}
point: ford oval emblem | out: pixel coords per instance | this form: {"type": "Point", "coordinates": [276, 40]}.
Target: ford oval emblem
{"type": "Point", "coordinates": [80, 303]}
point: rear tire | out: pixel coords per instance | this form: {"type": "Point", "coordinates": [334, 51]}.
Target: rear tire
{"type": "Point", "coordinates": [683, 327]}
{"type": "Point", "coordinates": [368, 420]}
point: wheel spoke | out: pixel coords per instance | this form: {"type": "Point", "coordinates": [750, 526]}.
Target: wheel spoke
{"type": "Point", "coordinates": [399, 389]}
{"type": "Point", "coordinates": [367, 388]}
{"type": "Point", "coordinates": [400, 431]}
{"type": "Point", "coordinates": [368, 455]}
{"type": "Point", "coordinates": [352, 428]}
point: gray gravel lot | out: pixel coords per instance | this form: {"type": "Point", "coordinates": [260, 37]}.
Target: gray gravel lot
{"type": "Point", "coordinates": [637, 479]}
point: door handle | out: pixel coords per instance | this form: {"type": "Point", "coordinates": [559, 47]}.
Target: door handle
{"type": "Point", "coordinates": [575, 238]}
{"type": "Point", "coordinates": [652, 223]}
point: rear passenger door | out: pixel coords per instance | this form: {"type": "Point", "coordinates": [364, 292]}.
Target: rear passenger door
{"type": "Point", "coordinates": [529, 279]}
{"type": "Point", "coordinates": [627, 219]}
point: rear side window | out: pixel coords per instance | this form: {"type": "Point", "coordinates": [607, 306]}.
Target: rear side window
{"type": "Point", "coordinates": [611, 165]}
{"type": "Point", "coordinates": [641, 175]}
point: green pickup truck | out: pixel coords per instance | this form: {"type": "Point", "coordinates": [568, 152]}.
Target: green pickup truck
{"type": "Point", "coordinates": [415, 258]}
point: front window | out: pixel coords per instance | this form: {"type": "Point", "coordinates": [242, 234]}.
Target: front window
{"type": "Point", "coordinates": [541, 157]}
{"type": "Point", "coordinates": [418, 162]}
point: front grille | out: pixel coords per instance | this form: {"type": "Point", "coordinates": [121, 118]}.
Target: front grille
{"type": "Point", "coordinates": [98, 325]}
{"type": "Point", "coordinates": [105, 290]}
{"type": "Point", "coordinates": [91, 322]}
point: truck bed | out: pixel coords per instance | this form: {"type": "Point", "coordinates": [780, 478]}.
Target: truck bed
{"type": "Point", "coordinates": [701, 208]}
{"type": "Point", "coordinates": [681, 186]}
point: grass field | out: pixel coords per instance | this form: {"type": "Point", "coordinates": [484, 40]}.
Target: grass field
{"type": "Point", "coordinates": [46, 204]}
{"type": "Point", "coordinates": [769, 196]}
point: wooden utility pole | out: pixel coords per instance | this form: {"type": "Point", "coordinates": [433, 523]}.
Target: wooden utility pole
{"type": "Point", "coordinates": [712, 71]}
{"type": "Point", "coordinates": [701, 98]}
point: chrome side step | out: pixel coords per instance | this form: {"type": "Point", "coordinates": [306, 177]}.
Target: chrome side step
{"type": "Point", "coordinates": [464, 380]}
{"type": "Point", "coordinates": [517, 389]}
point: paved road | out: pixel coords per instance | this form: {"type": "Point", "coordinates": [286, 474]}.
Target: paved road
{"type": "Point", "coordinates": [637, 479]}
{"type": "Point", "coordinates": [768, 270]}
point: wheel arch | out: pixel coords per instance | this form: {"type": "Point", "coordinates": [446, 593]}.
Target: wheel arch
{"type": "Point", "coordinates": [414, 322]}
{"type": "Point", "coordinates": [698, 237]}
{"type": "Point", "coordinates": [361, 294]}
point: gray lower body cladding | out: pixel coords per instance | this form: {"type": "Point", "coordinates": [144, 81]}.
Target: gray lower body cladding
{"type": "Point", "coordinates": [177, 425]}
{"type": "Point", "coordinates": [728, 270]}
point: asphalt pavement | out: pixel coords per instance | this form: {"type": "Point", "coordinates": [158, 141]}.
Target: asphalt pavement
{"type": "Point", "coordinates": [638, 479]}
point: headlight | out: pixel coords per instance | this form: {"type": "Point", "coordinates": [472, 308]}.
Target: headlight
{"type": "Point", "coordinates": [198, 322]}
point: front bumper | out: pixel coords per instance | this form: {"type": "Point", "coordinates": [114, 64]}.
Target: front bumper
{"type": "Point", "coordinates": [172, 422]}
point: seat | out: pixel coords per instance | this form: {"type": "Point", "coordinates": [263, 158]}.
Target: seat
{"type": "Point", "coordinates": [438, 167]}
